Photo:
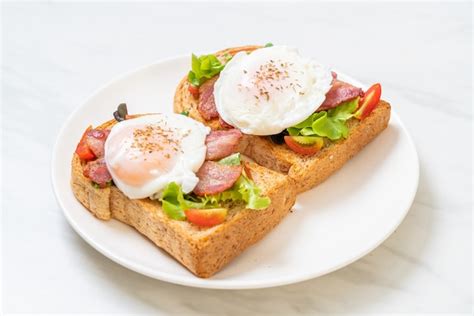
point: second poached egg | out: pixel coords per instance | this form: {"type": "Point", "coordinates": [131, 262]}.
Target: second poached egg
{"type": "Point", "coordinates": [270, 89]}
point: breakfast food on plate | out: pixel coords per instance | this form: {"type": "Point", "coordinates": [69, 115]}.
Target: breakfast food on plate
{"type": "Point", "coordinates": [180, 184]}
{"type": "Point", "coordinates": [296, 116]}
{"type": "Point", "coordinates": [183, 179]}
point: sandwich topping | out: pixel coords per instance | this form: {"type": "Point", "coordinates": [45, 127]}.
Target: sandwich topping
{"type": "Point", "coordinates": [144, 154]}
{"type": "Point", "coordinates": [97, 171]}
{"type": "Point", "coordinates": [91, 150]}
{"type": "Point", "coordinates": [215, 177]}
{"type": "Point", "coordinates": [324, 126]}
{"type": "Point", "coordinates": [207, 106]}
{"type": "Point", "coordinates": [221, 144]}
{"type": "Point", "coordinates": [221, 182]}
{"type": "Point", "coordinates": [340, 92]}
{"type": "Point", "coordinates": [270, 89]}
{"type": "Point", "coordinates": [204, 68]}
{"type": "Point", "coordinates": [172, 158]}
{"type": "Point", "coordinates": [274, 91]}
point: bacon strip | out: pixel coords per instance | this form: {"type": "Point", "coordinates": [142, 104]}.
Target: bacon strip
{"type": "Point", "coordinates": [340, 92]}
{"type": "Point", "coordinates": [95, 139]}
{"type": "Point", "coordinates": [216, 178]}
{"type": "Point", "coordinates": [221, 144]}
{"type": "Point", "coordinates": [97, 171]}
{"type": "Point", "coordinates": [207, 106]}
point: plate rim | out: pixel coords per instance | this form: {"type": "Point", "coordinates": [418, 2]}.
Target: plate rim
{"type": "Point", "coordinates": [209, 283]}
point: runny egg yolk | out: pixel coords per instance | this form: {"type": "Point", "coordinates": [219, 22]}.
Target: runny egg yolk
{"type": "Point", "coordinates": [144, 153]}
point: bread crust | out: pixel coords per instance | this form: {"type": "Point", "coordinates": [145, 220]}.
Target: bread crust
{"type": "Point", "coordinates": [306, 171]}
{"type": "Point", "coordinates": [202, 251]}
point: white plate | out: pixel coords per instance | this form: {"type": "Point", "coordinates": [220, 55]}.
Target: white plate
{"type": "Point", "coordinates": [331, 226]}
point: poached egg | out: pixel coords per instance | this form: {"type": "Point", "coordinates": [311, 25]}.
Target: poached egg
{"type": "Point", "coordinates": [145, 154]}
{"type": "Point", "coordinates": [270, 89]}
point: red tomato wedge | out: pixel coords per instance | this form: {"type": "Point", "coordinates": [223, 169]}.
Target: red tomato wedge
{"type": "Point", "coordinates": [206, 217]}
{"type": "Point", "coordinates": [83, 150]}
{"type": "Point", "coordinates": [369, 102]}
{"type": "Point", "coordinates": [193, 90]}
{"type": "Point", "coordinates": [295, 144]}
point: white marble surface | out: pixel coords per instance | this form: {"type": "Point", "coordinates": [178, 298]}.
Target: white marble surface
{"type": "Point", "coordinates": [55, 55]}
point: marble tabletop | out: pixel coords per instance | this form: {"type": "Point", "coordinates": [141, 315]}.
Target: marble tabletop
{"type": "Point", "coordinates": [55, 55]}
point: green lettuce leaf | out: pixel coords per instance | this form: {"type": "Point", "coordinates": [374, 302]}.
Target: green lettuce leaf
{"type": "Point", "coordinates": [329, 127]}
{"type": "Point", "coordinates": [345, 110]}
{"type": "Point", "coordinates": [244, 189]}
{"type": "Point", "coordinates": [174, 201]}
{"type": "Point", "coordinates": [204, 67]}
{"type": "Point", "coordinates": [331, 124]}
{"type": "Point", "coordinates": [232, 160]}
{"type": "Point", "coordinates": [172, 195]}
{"type": "Point", "coordinates": [250, 193]}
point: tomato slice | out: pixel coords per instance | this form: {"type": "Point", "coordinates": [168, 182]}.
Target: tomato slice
{"type": "Point", "coordinates": [311, 149]}
{"type": "Point", "coordinates": [206, 217]}
{"type": "Point", "coordinates": [369, 102]}
{"type": "Point", "coordinates": [83, 150]}
{"type": "Point", "coordinates": [193, 90]}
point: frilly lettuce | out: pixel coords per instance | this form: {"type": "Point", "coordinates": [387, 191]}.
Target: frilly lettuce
{"type": "Point", "coordinates": [331, 124]}
{"type": "Point", "coordinates": [204, 67]}
{"type": "Point", "coordinates": [174, 201]}
{"type": "Point", "coordinates": [249, 193]}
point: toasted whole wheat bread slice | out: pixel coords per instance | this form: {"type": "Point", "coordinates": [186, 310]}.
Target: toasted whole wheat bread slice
{"type": "Point", "coordinates": [202, 251]}
{"type": "Point", "coordinates": [307, 171]}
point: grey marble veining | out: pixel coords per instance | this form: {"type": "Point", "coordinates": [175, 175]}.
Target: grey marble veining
{"type": "Point", "coordinates": [55, 55]}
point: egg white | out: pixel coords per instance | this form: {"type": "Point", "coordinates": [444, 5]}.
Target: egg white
{"type": "Point", "coordinates": [271, 105]}
{"type": "Point", "coordinates": [189, 157]}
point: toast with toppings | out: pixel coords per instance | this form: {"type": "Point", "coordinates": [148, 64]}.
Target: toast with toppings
{"type": "Point", "coordinates": [308, 160]}
{"type": "Point", "coordinates": [202, 250]}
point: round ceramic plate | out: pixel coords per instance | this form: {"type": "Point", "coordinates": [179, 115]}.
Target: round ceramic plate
{"type": "Point", "coordinates": [331, 226]}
